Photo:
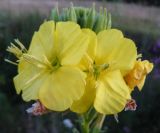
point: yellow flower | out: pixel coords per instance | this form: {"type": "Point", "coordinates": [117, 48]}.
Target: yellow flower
{"type": "Point", "coordinates": [110, 57]}
{"type": "Point", "coordinates": [137, 76]}
{"type": "Point", "coordinates": [48, 70]}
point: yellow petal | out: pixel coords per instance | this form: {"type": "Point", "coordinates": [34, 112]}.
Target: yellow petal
{"type": "Point", "coordinates": [85, 102]}
{"type": "Point", "coordinates": [141, 83]}
{"type": "Point", "coordinates": [111, 49]}
{"type": "Point", "coordinates": [32, 90]}
{"type": "Point", "coordinates": [36, 49]}
{"type": "Point", "coordinates": [148, 66]}
{"type": "Point", "coordinates": [47, 37]}
{"type": "Point", "coordinates": [42, 43]}
{"type": "Point", "coordinates": [123, 60]}
{"type": "Point", "coordinates": [88, 59]}
{"type": "Point", "coordinates": [85, 63]}
{"type": "Point", "coordinates": [137, 76]}
{"type": "Point", "coordinates": [22, 65]}
{"type": "Point", "coordinates": [92, 46]}
{"type": "Point", "coordinates": [112, 93]}
{"type": "Point", "coordinates": [107, 41]}
{"type": "Point", "coordinates": [72, 43]}
{"type": "Point", "coordinates": [62, 88]}
{"type": "Point", "coordinates": [26, 77]}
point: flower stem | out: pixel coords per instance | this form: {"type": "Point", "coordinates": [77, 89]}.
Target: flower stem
{"type": "Point", "coordinates": [100, 121]}
{"type": "Point", "coordinates": [91, 122]}
{"type": "Point", "coordinates": [85, 125]}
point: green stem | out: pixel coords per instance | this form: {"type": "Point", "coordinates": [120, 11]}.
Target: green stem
{"type": "Point", "coordinates": [85, 125]}
{"type": "Point", "coordinates": [91, 122]}
{"type": "Point", "coordinates": [100, 121]}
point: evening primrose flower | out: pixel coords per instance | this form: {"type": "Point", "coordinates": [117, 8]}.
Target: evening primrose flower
{"type": "Point", "coordinates": [110, 57]}
{"type": "Point", "coordinates": [47, 71]}
{"type": "Point", "coordinates": [137, 76]}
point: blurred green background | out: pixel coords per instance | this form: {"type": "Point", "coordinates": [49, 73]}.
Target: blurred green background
{"type": "Point", "coordinates": [138, 19]}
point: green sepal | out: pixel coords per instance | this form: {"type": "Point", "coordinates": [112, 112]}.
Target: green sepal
{"type": "Point", "coordinates": [85, 17]}
{"type": "Point", "coordinates": [72, 14]}
{"type": "Point", "coordinates": [109, 21]}
{"type": "Point", "coordinates": [55, 14]}
{"type": "Point", "coordinates": [91, 17]}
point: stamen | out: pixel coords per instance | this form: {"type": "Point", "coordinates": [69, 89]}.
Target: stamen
{"type": "Point", "coordinates": [47, 61]}
{"type": "Point", "coordinates": [104, 66]}
{"type": "Point", "coordinates": [33, 78]}
{"type": "Point", "coordinates": [11, 62]}
{"type": "Point", "coordinates": [21, 45]}
{"type": "Point", "coordinates": [33, 60]}
{"type": "Point", "coordinates": [55, 64]}
{"type": "Point", "coordinates": [116, 118]}
{"type": "Point", "coordinates": [38, 63]}
{"type": "Point", "coordinates": [99, 68]}
{"type": "Point", "coordinates": [88, 59]}
{"type": "Point", "coordinates": [139, 56]}
{"type": "Point", "coordinates": [15, 50]}
{"type": "Point", "coordinates": [89, 62]}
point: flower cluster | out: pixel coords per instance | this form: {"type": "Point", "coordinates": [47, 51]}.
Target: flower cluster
{"type": "Point", "coordinates": [68, 66]}
{"type": "Point", "coordinates": [77, 62]}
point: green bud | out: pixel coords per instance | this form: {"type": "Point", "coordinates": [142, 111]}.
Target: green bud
{"type": "Point", "coordinates": [99, 23]}
{"type": "Point", "coordinates": [85, 17]}
{"type": "Point", "coordinates": [63, 16]}
{"type": "Point", "coordinates": [109, 22]}
{"type": "Point", "coordinates": [105, 18]}
{"type": "Point", "coordinates": [72, 14]}
{"type": "Point", "coordinates": [55, 14]}
{"type": "Point", "coordinates": [91, 17]}
{"type": "Point", "coordinates": [103, 21]}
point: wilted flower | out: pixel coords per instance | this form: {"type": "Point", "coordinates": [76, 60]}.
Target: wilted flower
{"type": "Point", "coordinates": [131, 105]}
{"type": "Point", "coordinates": [37, 109]}
{"type": "Point", "coordinates": [137, 76]}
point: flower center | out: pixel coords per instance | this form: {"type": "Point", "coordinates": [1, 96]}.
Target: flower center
{"type": "Point", "coordinates": [56, 64]}
{"type": "Point", "coordinates": [97, 69]}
